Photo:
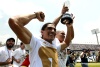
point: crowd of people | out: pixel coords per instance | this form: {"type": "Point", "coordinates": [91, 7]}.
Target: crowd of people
{"type": "Point", "coordinates": [49, 50]}
{"type": "Point", "coordinates": [20, 58]}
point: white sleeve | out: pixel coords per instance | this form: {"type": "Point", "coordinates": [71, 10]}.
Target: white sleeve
{"type": "Point", "coordinates": [32, 44]}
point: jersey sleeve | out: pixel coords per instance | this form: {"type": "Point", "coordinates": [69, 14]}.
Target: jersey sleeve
{"type": "Point", "coordinates": [33, 43]}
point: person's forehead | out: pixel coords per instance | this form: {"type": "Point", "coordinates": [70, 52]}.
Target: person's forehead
{"type": "Point", "coordinates": [10, 41]}
{"type": "Point", "coordinates": [51, 25]}
{"type": "Point", "coordinates": [62, 32]}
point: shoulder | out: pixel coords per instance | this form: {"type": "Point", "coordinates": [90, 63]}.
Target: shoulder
{"type": "Point", "coordinates": [35, 38]}
{"type": "Point", "coordinates": [18, 49]}
{"type": "Point", "coordinates": [2, 48]}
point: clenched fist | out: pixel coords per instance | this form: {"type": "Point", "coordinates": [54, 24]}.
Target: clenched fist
{"type": "Point", "coordinates": [40, 16]}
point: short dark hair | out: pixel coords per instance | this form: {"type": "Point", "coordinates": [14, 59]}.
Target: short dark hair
{"type": "Point", "coordinates": [45, 25]}
{"type": "Point", "coordinates": [68, 49]}
{"type": "Point", "coordinates": [10, 39]}
{"type": "Point", "coordinates": [21, 43]}
{"type": "Point", "coordinates": [84, 49]}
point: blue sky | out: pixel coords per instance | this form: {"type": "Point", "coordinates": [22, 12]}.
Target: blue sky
{"type": "Point", "coordinates": [86, 12]}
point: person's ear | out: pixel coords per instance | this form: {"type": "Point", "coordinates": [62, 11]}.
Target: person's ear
{"type": "Point", "coordinates": [41, 31]}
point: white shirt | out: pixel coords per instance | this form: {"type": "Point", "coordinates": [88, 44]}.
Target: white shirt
{"type": "Point", "coordinates": [19, 54]}
{"type": "Point", "coordinates": [62, 58]}
{"type": "Point", "coordinates": [42, 53]}
{"type": "Point", "coordinates": [5, 54]}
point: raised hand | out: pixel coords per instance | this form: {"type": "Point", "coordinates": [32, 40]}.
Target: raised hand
{"type": "Point", "coordinates": [64, 9]}
{"type": "Point", "coordinates": [67, 21]}
{"type": "Point", "coordinates": [40, 16]}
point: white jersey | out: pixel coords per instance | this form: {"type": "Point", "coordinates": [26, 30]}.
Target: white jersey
{"type": "Point", "coordinates": [62, 58]}
{"type": "Point", "coordinates": [42, 53]}
{"type": "Point", "coordinates": [5, 54]}
{"type": "Point", "coordinates": [19, 54]}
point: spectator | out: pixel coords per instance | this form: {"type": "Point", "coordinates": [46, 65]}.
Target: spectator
{"type": "Point", "coordinates": [72, 59]}
{"type": "Point", "coordinates": [60, 34]}
{"type": "Point", "coordinates": [6, 53]}
{"type": "Point", "coordinates": [98, 56]}
{"type": "Point", "coordinates": [67, 58]}
{"type": "Point", "coordinates": [19, 55]}
{"type": "Point", "coordinates": [84, 57]}
{"type": "Point", "coordinates": [63, 53]}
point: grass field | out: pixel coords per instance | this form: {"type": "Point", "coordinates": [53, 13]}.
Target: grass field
{"type": "Point", "coordinates": [90, 64]}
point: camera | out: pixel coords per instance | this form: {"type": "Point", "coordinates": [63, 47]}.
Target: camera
{"type": "Point", "coordinates": [67, 17]}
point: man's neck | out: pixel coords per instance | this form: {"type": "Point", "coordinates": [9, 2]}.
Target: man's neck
{"type": "Point", "coordinates": [48, 41]}
{"type": "Point", "coordinates": [9, 48]}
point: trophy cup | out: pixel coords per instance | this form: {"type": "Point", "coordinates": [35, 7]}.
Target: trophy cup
{"type": "Point", "coordinates": [67, 17]}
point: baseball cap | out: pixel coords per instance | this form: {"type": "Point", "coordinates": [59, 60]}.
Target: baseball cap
{"type": "Point", "coordinates": [10, 39]}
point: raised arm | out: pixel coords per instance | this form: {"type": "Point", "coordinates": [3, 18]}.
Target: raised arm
{"type": "Point", "coordinates": [63, 11]}
{"type": "Point", "coordinates": [69, 36]}
{"type": "Point", "coordinates": [17, 24]}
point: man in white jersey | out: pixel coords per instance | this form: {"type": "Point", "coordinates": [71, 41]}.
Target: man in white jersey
{"type": "Point", "coordinates": [19, 55]}
{"type": "Point", "coordinates": [60, 34]}
{"type": "Point", "coordinates": [42, 50]}
{"type": "Point", "coordinates": [6, 53]}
